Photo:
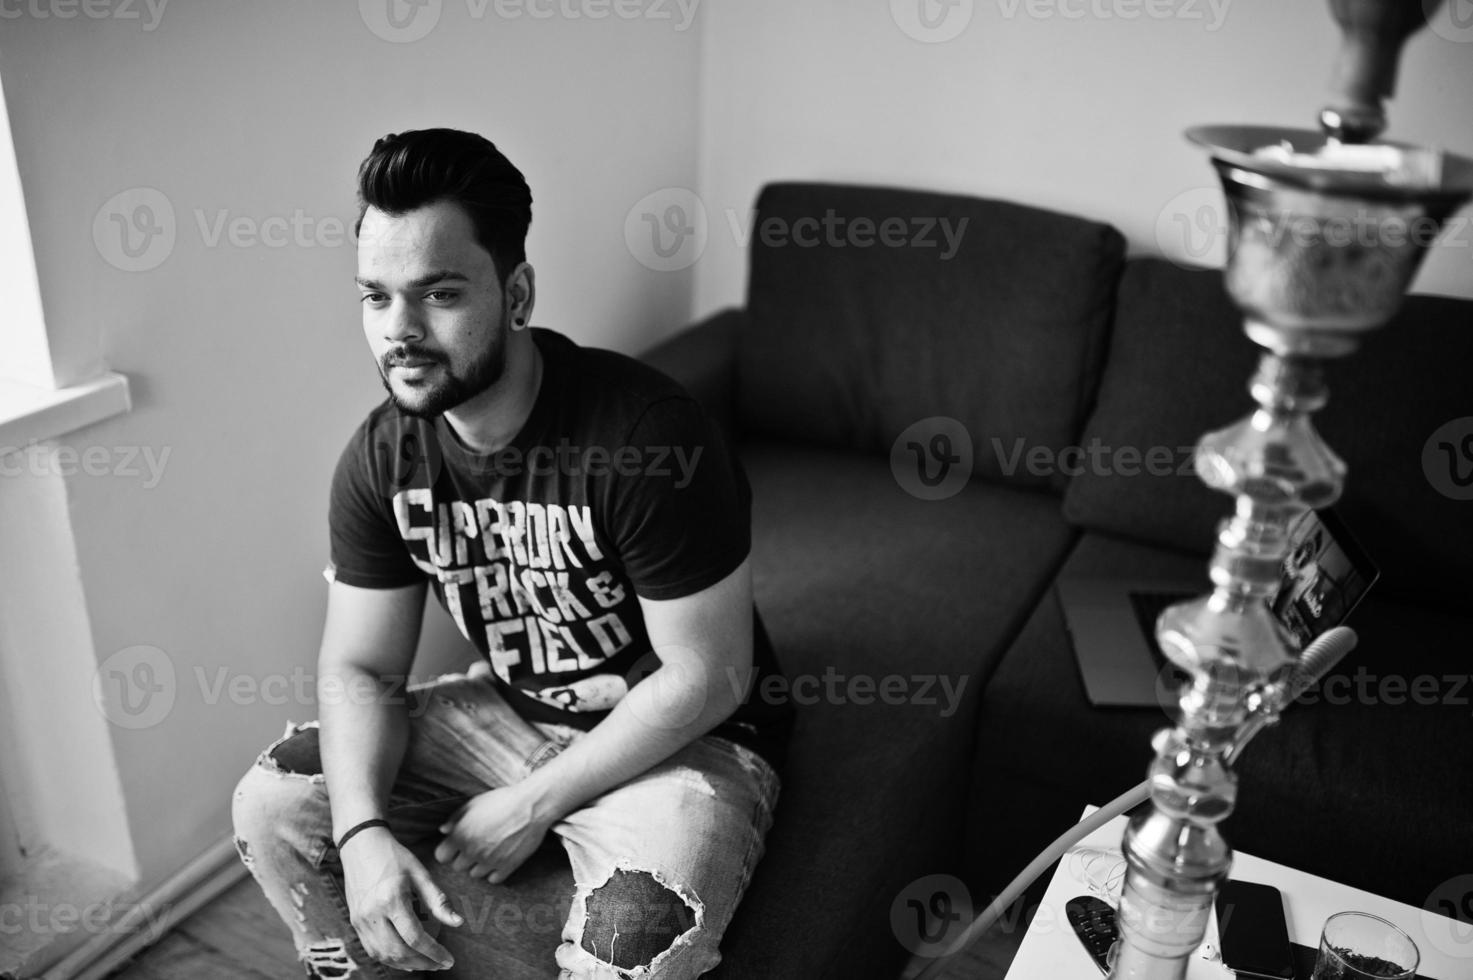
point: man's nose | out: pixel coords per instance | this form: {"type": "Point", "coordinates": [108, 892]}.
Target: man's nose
{"type": "Point", "coordinates": [403, 323]}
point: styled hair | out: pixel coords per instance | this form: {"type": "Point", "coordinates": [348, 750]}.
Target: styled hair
{"type": "Point", "coordinates": [405, 171]}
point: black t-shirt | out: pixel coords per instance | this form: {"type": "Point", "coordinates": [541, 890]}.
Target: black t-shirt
{"type": "Point", "coordinates": [618, 486]}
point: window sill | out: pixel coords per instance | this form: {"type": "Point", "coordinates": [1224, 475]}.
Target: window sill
{"type": "Point", "coordinates": [29, 415]}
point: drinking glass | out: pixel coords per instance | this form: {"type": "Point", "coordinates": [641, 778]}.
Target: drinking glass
{"type": "Point", "coordinates": [1360, 946]}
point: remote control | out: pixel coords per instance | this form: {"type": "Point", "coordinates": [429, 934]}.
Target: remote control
{"type": "Point", "coordinates": [1094, 924]}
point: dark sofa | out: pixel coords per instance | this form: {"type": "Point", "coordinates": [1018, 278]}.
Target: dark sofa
{"type": "Point", "coordinates": [1036, 332]}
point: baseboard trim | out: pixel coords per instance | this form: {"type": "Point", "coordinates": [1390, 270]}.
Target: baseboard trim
{"type": "Point", "coordinates": [148, 919]}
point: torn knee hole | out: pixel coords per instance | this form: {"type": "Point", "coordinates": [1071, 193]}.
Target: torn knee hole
{"type": "Point", "coordinates": [632, 918]}
{"type": "Point", "coordinates": [298, 754]}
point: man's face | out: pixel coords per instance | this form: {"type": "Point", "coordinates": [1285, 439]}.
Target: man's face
{"type": "Point", "coordinates": [433, 309]}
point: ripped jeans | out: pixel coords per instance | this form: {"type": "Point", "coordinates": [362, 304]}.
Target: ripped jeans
{"type": "Point", "coordinates": [685, 835]}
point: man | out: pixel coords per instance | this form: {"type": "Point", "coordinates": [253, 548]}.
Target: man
{"type": "Point", "coordinates": [582, 521]}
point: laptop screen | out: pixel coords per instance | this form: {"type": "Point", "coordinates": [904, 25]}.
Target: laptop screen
{"type": "Point", "coordinates": [1323, 577]}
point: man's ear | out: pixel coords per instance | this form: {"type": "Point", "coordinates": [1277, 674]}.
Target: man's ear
{"type": "Point", "coordinates": [521, 295]}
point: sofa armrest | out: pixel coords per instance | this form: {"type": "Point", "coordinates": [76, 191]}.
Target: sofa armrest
{"type": "Point", "coordinates": [702, 358]}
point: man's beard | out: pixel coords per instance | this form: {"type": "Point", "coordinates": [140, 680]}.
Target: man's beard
{"type": "Point", "coordinates": [431, 398]}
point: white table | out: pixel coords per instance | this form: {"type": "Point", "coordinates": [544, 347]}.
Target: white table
{"type": "Point", "coordinates": [1050, 950]}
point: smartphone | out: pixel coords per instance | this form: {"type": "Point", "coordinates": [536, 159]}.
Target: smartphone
{"type": "Point", "coordinates": [1252, 931]}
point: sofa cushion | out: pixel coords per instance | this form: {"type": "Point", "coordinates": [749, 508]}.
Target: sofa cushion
{"type": "Point", "coordinates": [987, 312]}
{"type": "Point", "coordinates": [1178, 366]}
{"type": "Point", "coordinates": [858, 580]}
{"type": "Point", "coordinates": [1369, 764]}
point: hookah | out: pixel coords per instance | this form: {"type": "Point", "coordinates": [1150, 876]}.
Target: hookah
{"type": "Point", "coordinates": [1325, 231]}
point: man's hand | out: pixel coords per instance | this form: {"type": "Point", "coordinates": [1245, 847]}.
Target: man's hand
{"type": "Point", "coordinates": [494, 832]}
{"type": "Point", "coordinates": [384, 880]}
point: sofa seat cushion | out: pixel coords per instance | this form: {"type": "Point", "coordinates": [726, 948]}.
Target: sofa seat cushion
{"type": "Point", "coordinates": [857, 579]}
{"type": "Point", "coordinates": [1179, 365]}
{"type": "Point", "coordinates": [1360, 782]}
{"type": "Point", "coordinates": [984, 311]}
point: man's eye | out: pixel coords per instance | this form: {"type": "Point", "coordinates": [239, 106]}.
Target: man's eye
{"type": "Point", "coordinates": [372, 299]}
{"type": "Point", "coordinates": [441, 295]}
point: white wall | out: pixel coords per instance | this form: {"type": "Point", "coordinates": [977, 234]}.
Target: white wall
{"type": "Point", "coordinates": [248, 364]}
{"type": "Point", "coordinates": [1077, 113]}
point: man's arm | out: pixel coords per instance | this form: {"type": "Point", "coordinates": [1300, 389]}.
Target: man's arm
{"type": "Point", "coordinates": [369, 637]}
{"type": "Point", "coordinates": [368, 642]}
{"type": "Point", "coordinates": [704, 642]}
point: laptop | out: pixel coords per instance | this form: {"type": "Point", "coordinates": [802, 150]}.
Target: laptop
{"type": "Point", "coordinates": [1112, 622]}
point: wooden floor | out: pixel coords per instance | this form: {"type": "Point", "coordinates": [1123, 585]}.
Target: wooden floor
{"type": "Point", "coordinates": [239, 937]}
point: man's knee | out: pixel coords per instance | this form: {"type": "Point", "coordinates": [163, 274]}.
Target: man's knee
{"type": "Point", "coordinates": [632, 918]}
{"type": "Point", "coordinates": [276, 787]}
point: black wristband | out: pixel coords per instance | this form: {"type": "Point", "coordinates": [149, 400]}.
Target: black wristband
{"type": "Point", "coordinates": [348, 834]}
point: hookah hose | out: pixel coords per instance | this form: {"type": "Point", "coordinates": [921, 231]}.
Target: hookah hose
{"type": "Point", "coordinates": [1327, 650]}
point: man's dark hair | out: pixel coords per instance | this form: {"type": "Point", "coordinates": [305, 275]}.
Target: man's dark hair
{"type": "Point", "coordinates": [405, 171]}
